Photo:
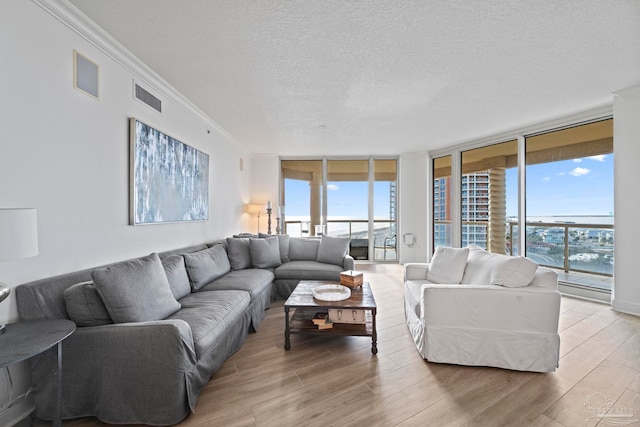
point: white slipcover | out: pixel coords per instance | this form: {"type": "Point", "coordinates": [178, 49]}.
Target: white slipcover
{"type": "Point", "coordinates": [484, 324]}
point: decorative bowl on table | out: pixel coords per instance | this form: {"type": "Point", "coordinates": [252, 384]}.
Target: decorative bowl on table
{"type": "Point", "coordinates": [331, 292]}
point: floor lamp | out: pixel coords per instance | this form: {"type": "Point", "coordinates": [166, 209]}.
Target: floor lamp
{"type": "Point", "coordinates": [18, 239]}
{"type": "Point", "coordinates": [253, 210]}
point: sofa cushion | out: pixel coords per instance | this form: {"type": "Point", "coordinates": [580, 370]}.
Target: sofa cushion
{"type": "Point", "coordinates": [239, 253]}
{"type": "Point", "coordinates": [480, 263]}
{"type": "Point", "coordinates": [252, 280]}
{"type": "Point", "coordinates": [136, 290]}
{"type": "Point", "coordinates": [332, 250]}
{"type": "Point", "coordinates": [447, 265]}
{"type": "Point", "coordinates": [283, 243]}
{"type": "Point", "coordinates": [177, 275]}
{"type": "Point", "coordinates": [206, 266]}
{"type": "Point", "coordinates": [265, 253]}
{"type": "Point", "coordinates": [85, 306]}
{"type": "Point", "coordinates": [210, 315]}
{"type": "Point", "coordinates": [513, 271]}
{"type": "Point", "coordinates": [301, 249]}
{"type": "Point", "coordinates": [308, 270]}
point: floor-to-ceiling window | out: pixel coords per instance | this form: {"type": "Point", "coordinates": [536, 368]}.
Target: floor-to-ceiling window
{"type": "Point", "coordinates": [569, 200]}
{"type": "Point", "coordinates": [343, 197]}
{"type": "Point", "coordinates": [348, 203]}
{"type": "Point", "coordinates": [548, 196]}
{"type": "Point", "coordinates": [489, 195]}
{"type": "Point", "coordinates": [302, 192]}
{"type": "Point", "coordinates": [385, 205]}
{"type": "Point", "coordinates": [441, 202]}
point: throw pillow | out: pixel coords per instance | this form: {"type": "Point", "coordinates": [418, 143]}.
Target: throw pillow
{"type": "Point", "coordinates": [480, 264]}
{"type": "Point", "coordinates": [447, 265]}
{"type": "Point", "coordinates": [85, 306]}
{"type": "Point", "coordinates": [302, 249]}
{"type": "Point", "coordinates": [513, 271]}
{"type": "Point", "coordinates": [206, 266]}
{"type": "Point", "coordinates": [283, 242]}
{"type": "Point", "coordinates": [136, 290]}
{"type": "Point", "coordinates": [239, 253]}
{"type": "Point", "coordinates": [332, 250]}
{"type": "Point", "coordinates": [177, 276]}
{"type": "Point", "coordinates": [265, 253]}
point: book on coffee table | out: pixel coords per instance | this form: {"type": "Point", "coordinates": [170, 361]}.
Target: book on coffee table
{"type": "Point", "coordinates": [327, 325]}
{"type": "Point", "coordinates": [320, 318]}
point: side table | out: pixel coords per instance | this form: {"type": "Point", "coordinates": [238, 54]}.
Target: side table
{"type": "Point", "coordinates": [23, 340]}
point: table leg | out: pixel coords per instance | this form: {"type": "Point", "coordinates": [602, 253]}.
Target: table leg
{"type": "Point", "coordinates": [57, 420]}
{"type": "Point", "coordinates": [374, 334]}
{"type": "Point", "coordinates": [287, 342]}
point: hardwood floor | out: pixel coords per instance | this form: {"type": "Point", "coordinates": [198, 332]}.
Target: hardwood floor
{"type": "Point", "coordinates": [324, 381]}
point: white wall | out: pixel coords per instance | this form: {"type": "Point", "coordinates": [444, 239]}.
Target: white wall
{"type": "Point", "coordinates": [626, 146]}
{"type": "Point", "coordinates": [413, 210]}
{"type": "Point", "coordinates": [265, 186]}
{"type": "Point", "coordinates": [66, 154]}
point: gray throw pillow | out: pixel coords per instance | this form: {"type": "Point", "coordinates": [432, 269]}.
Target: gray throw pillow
{"type": "Point", "coordinates": [265, 253]}
{"type": "Point", "coordinates": [206, 266]}
{"type": "Point", "coordinates": [302, 249]}
{"type": "Point", "coordinates": [283, 242]}
{"type": "Point", "coordinates": [332, 250]}
{"type": "Point", "coordinates": [239, 253]}
{"type": "Point", "coordinates": [85, 306]}
{"type": "Point", "coordinates": [136, 290]}
{"type": "Point", "coordinates": [177, 275]}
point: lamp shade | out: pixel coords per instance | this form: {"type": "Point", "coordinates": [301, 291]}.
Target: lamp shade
{"type": "Point", "coordinates": [18, 233]}
{"type": "Point", "coordinates": [254, 208]}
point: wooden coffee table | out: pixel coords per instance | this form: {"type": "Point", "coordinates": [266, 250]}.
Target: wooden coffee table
{"type": "Point", "coordinates": [306, 306]}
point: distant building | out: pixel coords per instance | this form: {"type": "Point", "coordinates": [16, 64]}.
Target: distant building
{"type": "Point", "coordinates": [475, 208]}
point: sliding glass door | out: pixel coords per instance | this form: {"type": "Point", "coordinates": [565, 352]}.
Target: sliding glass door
{"type": "Point", "coordinates": [570, 200]}
{"type": "Point", "coordinates": [356, 198]}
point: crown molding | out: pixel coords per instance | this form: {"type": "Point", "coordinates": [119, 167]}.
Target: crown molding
{"type": "Point", "coordinates": [79, 23]}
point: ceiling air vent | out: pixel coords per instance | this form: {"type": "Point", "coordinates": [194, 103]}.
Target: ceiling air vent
{"type": "Point", "coordinates": [146, 97]}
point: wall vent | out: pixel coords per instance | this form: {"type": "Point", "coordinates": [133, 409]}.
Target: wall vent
{"type": "Point", "coordinates": [146, 97]}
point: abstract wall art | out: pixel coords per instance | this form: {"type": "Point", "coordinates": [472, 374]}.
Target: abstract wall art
{"type": "Point", "coordinates": [169, 180]}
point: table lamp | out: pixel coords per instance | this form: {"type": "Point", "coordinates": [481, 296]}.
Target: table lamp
{"type": "Point", "coordinates": [18, 239]}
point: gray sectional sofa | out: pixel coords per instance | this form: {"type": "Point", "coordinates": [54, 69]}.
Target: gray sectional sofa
{"type": "Point", "coordinates": [153, 330]}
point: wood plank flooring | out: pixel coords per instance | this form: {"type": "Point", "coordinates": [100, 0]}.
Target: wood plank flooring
{"type": "Point", "coordinates": [325, 381]}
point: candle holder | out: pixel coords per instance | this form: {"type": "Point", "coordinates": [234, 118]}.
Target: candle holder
{"type": "Point", "coordinates": [269, 220]}
{"type": "Point", "coordinates": [278, 230]}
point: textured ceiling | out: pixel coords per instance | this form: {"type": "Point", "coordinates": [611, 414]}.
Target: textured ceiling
{"type": "Point", "coordinates": [353, 77]}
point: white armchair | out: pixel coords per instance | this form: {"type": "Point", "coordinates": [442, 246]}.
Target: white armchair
{"type": "Point", "coordinates": [512, 325]}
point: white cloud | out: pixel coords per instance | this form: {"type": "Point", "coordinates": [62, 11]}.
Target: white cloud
{"type": "Point", "coordinates": [546, 179]}
{"type": "Point", "coordinates": [577, 160]}
{"type": "Point", "coordinates": [579, 171]}
{"type": "Point", "coordinates": [332, 187]}
{"type": "Point", "coordinates": [599, 158]}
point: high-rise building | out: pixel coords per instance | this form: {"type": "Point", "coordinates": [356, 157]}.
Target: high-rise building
{"type": "Point", "coordinates": [474, 205]}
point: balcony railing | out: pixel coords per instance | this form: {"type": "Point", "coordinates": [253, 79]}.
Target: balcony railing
{"type": "Point", "coordinates": [384, 241]}
{"type": "Point", "coordinates": [572, 247]}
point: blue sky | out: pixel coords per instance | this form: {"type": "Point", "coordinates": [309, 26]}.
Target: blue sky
{"type": "Point", "coordinates": [569, 187]}
{"type": "Point", "coordinates": [343, 198]}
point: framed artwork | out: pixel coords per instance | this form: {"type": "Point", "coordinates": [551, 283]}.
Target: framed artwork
{"type": "Point", "coordinates": [169, 180]}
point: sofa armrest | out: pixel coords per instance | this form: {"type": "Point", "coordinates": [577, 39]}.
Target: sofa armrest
{"type": "Point", "coordinates": [143, 363]}
{"type": "Point", "coordinates": [415, 271]}
{"type": "Point", "coordinates": [348, 263]}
